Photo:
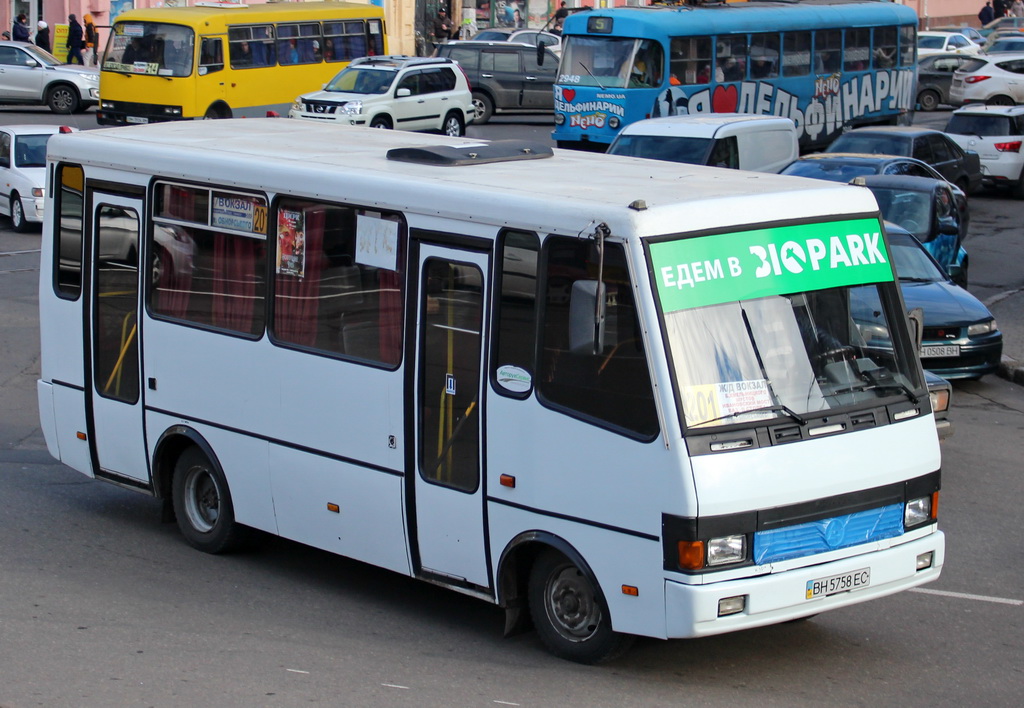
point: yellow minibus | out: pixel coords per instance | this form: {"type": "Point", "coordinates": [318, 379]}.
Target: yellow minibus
{"type": "Point", "coordinates": [166, 63]}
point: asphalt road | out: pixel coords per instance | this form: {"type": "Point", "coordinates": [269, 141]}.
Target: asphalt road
{"type": "Point", "coordinates": [101, 604]}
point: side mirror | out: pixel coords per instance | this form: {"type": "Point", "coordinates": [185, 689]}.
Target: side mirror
{"type": "Point", "coordinates": [403, 92]}
{"type": "Point", "coordinates": [586, 317]}
{"type": "Point", "coordinates": [541, 53]}
{"type": "Point", "coordinates": [948, 226]}
{"type": "Point", "coordinates": [31, 63]}
{"type": "Point", "coordinates": [957, 274]}
{"type": "Point", "coordinates": [915, 320]}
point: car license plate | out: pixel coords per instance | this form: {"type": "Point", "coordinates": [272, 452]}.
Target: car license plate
{"type": "Point", "coordinates": [844, 582]}
{"type": "Point", "coordinates": [135, 119]}
{"type": "Point", "coordinates": [944, 350]}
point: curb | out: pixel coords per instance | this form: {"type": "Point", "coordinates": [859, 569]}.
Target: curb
{"type": "Point", "coordinates": [1011, 370]}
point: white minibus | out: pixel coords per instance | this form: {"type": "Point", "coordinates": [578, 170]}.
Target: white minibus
{"type": "Point", "coordinates": [615, 396]}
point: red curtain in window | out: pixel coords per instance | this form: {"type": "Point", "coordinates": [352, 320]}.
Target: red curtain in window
{"type": "Point", "coordinates": [297, 297]}
{"type": "Point", "coordinates": [234, 281]}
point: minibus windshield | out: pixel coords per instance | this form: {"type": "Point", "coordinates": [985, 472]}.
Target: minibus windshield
{"type": "Point", "coordinates": [748, 344]}
{"type": "Point", "coordinates": [155, 48]}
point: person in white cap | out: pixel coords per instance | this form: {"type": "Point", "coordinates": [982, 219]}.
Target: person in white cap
{"type": "Point", "coordinates": [43, 35]}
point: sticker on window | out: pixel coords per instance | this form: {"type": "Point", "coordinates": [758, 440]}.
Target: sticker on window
{"type": "Point", "coordinates": [735, 400]}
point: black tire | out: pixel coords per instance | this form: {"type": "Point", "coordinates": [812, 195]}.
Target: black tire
{"type": "Point", "coordinates": [1018, 189]}
{"type": "Point", "coordinates": [484, 107]}
{"type": "Point", "coordinates": [382, 122]}
{"type": "Point", "coordinates": [217, 112]}
{"type": "Point", "coordinates": [63, 98]}
{"type": "Point", "coordinates": [453, 126]}
{"type": "Point", "coordinates": [928, 100]}
{"type": "Point", "coordinates": [569, 613]}
{"type": "Point", "coordinates": [1000, 101]}
{"type": "Point", "coordinates": [202, 505]}
{"type": "Point", "coordinates": [18, 221]}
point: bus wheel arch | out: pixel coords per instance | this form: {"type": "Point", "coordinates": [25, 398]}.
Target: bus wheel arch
{"type": "Point", "coordinates": [538, 571]}
{"type": "Point", "coordinates": [218, 110]}
{"type": "Point", "coordinates": [62, 98]}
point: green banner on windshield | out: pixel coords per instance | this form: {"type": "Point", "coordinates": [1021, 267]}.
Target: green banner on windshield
{"type": "Point", "coordinates": [708, 270]}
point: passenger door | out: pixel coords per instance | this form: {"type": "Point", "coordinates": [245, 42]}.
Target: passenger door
{"type": "Point", "coordinates": [539, 79]}
{"type": "Point", "coordinates": [114, 393]}
{"type": "Point", "coordinates": [446, 511]}
{"type": "Point", "coordinates": [415, 111]}
{"type": "Point", "coordinates": [501, 73]}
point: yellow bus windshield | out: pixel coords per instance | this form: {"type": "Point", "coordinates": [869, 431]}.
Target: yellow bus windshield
{"type": "Point", "coordinates": [156, 48]}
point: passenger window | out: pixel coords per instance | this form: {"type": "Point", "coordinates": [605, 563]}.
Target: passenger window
{"type": "Point", "coordinates": [731, 58]}
{"type": "Point", "coordinates": [828, 46]}
{"type": "Point", "coordinates": [885, 47]}
{"type": "Point", "coordinates": [796, 54]}
{"type": "Point", "coordinates": [764, 56]}
{"type": "Point", "coordinates": [410, 81]}
{"type": "Point", "coordinates": [507, 61]}
{"type": "Point", "coordinates": [612, 387]}
{"type": "Point", "coordinates": [515, 330]}
{"type": "Point", "coordinates": [725, 153]}
{"type": "Point", "coordinates": [5, 149]}
{"type": "Point", "coordinates": [857, 52]}
{"type": "Point", "coordinates": [908, 45]}
{"type": "Point", "coordinates": [467, 58]}
{"type": "Point", "coordinates": [939, 149]}
{"type": "Point", "coordinates": [68, 232]}
{"type": "Point", "coordinates": [690, 60]}
{"type": "Point", "coordinates": [328, 294]}
{"type": "Point", "coordinates": [922, 151]}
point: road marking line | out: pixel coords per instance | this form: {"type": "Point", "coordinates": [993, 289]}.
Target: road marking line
{"type": "Point", "coordinates": [297, 671]}
{"type": "Point", "coordinates": [395, 685]}
{"type": "Point", "coordinates": [968, 596]}
{"type": "Point", "coordinates": [17, 253]}
{"type": "Point", "coordinates": [506, 703]}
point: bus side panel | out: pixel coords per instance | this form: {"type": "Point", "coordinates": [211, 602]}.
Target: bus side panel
{"type": "Point", "coordinates": [616, 559]}
{"type": "Point", "coordinates": [369, 524]}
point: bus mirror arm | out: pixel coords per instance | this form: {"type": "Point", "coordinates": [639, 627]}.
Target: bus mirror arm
{"type": "Point", "coordinates": [915, 320]}
{"type": "Point", "coordinates": [587, 305]}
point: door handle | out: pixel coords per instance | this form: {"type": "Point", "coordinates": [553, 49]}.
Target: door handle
{"type": "Point", "coordinates": [531, 78]}
{"type": "Point", "coordinates": [487, 76]}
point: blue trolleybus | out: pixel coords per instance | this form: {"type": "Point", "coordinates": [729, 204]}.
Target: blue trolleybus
{"type": "Point", "coordinates": [826, 64]}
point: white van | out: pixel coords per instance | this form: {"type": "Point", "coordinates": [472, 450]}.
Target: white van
{"type": "Point", "coordinates": [737, 140]}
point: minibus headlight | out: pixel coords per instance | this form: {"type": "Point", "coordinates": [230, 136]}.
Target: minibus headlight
{"type": "Point", "coordinates": [352, 108]}
{"type": "Point", "coordinates": [613, 122]}
{"type": "Point", "coordinates": [981, 328]}
{"type": "Point", "coordinates": [108, 105]}
{"type": "Point", "coordinates": [172, 110]}
{"type": "Point", "coordinates": [917, 511]}
{"type": "Point", "coordinates": [727, 549]}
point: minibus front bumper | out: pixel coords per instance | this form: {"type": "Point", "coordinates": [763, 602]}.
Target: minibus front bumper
{"type": "Point", "coordinates": [694, 610]}
{"type": "Point", "coordinates": [125, 113]}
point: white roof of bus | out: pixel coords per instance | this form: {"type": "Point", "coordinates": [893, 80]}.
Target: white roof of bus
{"type": "Point", "coordinates": [563, 194]}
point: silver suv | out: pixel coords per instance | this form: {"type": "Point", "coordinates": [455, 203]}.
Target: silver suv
{"type": "Point", "coordinates": [996, 133]}
{"type": "Point", "coordinates": [29, 75]}
{"type": "Point", "coordinates": [409, 93]}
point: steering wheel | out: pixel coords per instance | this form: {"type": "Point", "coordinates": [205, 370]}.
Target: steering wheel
{"type": "Point", "coordinates": [831, 356]}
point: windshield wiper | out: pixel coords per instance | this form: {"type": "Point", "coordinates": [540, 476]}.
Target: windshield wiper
{"type": "Point", "coordinates": [777, 408]}
{"type": "Point", "coordinates": [912, 279]}
{"type": "Point", "coordinates": [593, 76]}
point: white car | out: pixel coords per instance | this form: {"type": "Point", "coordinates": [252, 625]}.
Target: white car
{"type": "Point", "coordinates": [408, 93]}
{"type": "Point", "coordinates": [29, 75]}
{"type": "Point", "coordinates": [996, 133]}
{"type": "Point", "coordinates": [23, 172]}
{"type": "Point", "coordinates": [944, 43]}
{"type": "Point", "coordinates": [995, 79]}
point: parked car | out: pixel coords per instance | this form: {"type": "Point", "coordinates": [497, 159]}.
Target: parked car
{"type": "Point", "coordinates": [1003, 23]}
{"type": "Point", "coordinates": [995, 79]}
{"type": "Point", "coordinates": [934, 75]}
{"type": "Point", "coordinates": [961, 339]}
{"type": "Point", "coordinates": [32, 76]}
{"type": "Point", "coordinates": [944, 43]}
{"type": "Point", "coordinates": [23, 172]}
{"type": "Point", "coordinates": [926, 208]}
{"type": "Point", "coordinates": [1004, 44]}
{"type": "Point", "coordinates": [736, 140]}
{"type": "Point", "coordinates": [959, 166]}
{"type": "Point", "coordinates": [969, 32]}
{"type": "Point", "coordinates": [844, 167]}
{"type": "Point", "coordinates": [996, 133]}
{"type": "Point", "coordinates": [505, 76]}
{"type": "Point", "coordinates": [402, 92]}
{"type": "Point", "coordinates": [522, 36]}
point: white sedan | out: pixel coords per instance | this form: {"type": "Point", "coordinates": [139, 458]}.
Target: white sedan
{"type": "Point", "coordinates": [23, 171]}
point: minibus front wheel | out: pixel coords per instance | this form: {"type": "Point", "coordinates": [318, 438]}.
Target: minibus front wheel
{"type": "Point", "coordinates": [217, 111]}
{"type": "Point", "coordinates": [569, 613]}
{"type": "Point", "coordinates": [202, 504]}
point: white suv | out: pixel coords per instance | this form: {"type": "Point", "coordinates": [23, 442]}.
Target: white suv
{"type": "Point", "coordinates": [996, 134]}
{"type": "Point", "coordinates": [409, 93]}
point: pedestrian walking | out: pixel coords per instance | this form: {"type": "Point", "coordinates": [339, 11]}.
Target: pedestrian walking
{"type": "Point", "coordinates": [91, 38]}
{"type": "Point", "coordinates": [987, 14]}
{"type": "Point", "coordinates": [76, 41]}
{"type": "Point", "coordinates": [43, 36]}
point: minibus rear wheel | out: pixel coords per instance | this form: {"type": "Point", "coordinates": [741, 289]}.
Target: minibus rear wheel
{"type": "Point", "coordinates": [202, 504]}
{"type": "Point", "coordinates": [570, 615]}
